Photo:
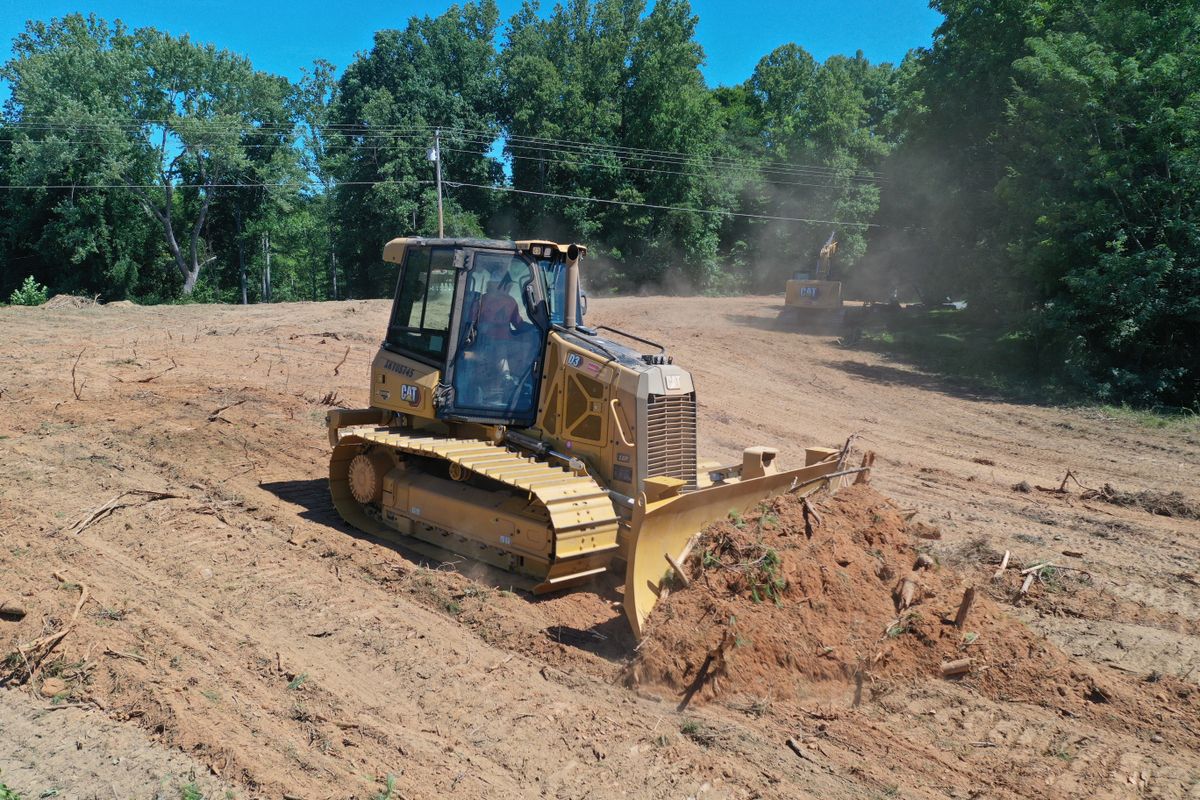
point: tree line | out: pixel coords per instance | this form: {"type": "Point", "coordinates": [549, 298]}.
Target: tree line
{"type": "Point", "coordinates": [1039, 160]}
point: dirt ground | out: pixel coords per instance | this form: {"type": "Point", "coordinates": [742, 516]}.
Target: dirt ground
{"type": "Point", "coordinates": [236, 636]}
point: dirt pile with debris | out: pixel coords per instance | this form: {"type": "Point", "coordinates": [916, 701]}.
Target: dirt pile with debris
{"type": "Point", "coordinates": [1164, 504]}
{"type": "Point", "coordinates": [841, 600]}
{"type": "Point", "coordinates": [70, 301]}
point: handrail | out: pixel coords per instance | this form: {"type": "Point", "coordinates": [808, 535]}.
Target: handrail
{"type": "Point", "coordinates": [612, 404]}
{"type": "Point", "coordinates": [628, 335]}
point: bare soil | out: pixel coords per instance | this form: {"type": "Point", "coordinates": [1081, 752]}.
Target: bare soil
{"type": "Point", "coordinates": [232, 620]}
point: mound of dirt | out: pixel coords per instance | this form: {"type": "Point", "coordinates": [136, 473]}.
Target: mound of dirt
{"type": "Point", "coordinates": [771, 612]}
{"type": "Point", "coordinates": [69, 301]}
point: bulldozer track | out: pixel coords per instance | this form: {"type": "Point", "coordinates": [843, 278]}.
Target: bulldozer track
{"type": "Point", "coordinates": [579, 510]}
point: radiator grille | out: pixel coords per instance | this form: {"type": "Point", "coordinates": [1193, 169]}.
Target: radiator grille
{"type": "Point", "coordinates": [671, 437]}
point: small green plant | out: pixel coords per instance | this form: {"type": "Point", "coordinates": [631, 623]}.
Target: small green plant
{"type": "Point", "coordinates": [31, 293]}
{"type": "Point", "coordinates": [709, 559]}
{"type": "Point", "coordinates": [298, 681]}
{"type": "Point", "coordinates": [453, 607]}
{"type": "Point", "coordinates": [7, 793]}
{"type": "Point", "coordinates": [736, 518]}
{"type": "Point", "coordinates": [1051, 577]}
{"type": "Point", "coordinates": [903, 625]}
{"type": "Point", "coordinates": [190, 791]}
{"type": "Point", "coordinates": [698, 733]}
{"type": "Point", "coordinates": [769, 583]}
{"type": "Point", "coordinates": [969, 637]}
{"type": "Point", "coordinates": [389, 787]}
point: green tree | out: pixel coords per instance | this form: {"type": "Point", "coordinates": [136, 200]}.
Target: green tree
{"type": "Point", "coordinates": [594, 95]}
{"type": "Point", "coordinates": [436, 72]}
{"type": "Point", "coordinates": [67, 118]}
{"type": "Point", "coordinates": [204, 116]}
{"type": "Point", "coordinates": [129, 139]}
{"type": "Point", "coordinates": [835, 119]}
{"type": "Point", "coordinates": [1102, 192]}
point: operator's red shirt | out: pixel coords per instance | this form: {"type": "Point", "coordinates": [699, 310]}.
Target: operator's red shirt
{"type": "Point", "coordinates": [498, 315]}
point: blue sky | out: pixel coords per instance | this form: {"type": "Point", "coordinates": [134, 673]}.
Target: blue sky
{"type": "Point", "coordinates": [282, 37]}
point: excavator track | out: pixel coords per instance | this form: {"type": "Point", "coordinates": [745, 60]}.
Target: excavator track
{"type": "Point", "coordinates": [554, 526]}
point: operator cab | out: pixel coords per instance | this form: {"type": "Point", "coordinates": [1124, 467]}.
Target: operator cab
{"type": "Point", "coordinates": [478, 311]}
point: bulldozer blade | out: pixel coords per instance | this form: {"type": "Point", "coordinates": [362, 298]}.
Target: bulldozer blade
{"type": "Point", "coordinates": [664, 529]}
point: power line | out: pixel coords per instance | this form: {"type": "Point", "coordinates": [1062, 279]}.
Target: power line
{"type": "Point", "coordinates": [509, 189]}
{"type": "Point", "coordinates": [665, 208]}
{"type": "Point", "coordinates": [573, 159]}
{"type": "Point", "coordinates": [483, 137]}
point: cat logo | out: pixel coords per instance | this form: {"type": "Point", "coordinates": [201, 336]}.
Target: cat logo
{"type": "Point", "coordinates": [410, 394]}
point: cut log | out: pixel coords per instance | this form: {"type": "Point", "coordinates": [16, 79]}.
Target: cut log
{"type": "Point", "coordinates": [964, 608]}
{"type": "Point", "coordinates": [1028, 582]}
{"type": "Point", "coordinates": [1003, 566]}
{"type": "Point", "coordinates": [867, 463]}
{"type": "Point", "coordinates": [679, 571]}
{"type": "Point", "coordinates": [906, 592]}
{"type": "Point", "coordinates": [959, 667]}
{"type": "Point", "coordinates": [1036, 567]}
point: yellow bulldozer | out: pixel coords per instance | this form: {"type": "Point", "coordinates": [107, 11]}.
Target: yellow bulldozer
{"type": "Point", "coordinates": [502, 428]}
{"type": "Point", "coordinates": [813, 299]}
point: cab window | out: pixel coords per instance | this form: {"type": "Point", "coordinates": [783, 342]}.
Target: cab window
{"type": "Point", "coordinates": [420, 322]}
{"type": "Point", "coordinates": [554, 275]}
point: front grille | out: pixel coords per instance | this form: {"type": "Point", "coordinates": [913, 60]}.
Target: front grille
{"type": "Point", "coordinates": [671, 437]}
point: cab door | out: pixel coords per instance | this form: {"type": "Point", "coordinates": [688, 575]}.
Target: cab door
{"type": "Point", "coordinates": [495, 364]}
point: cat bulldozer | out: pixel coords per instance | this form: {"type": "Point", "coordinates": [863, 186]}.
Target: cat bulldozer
{"type": "Point", "coordinates": [813, 299]}
{"type": "Point", "coordinates": [503, 429]}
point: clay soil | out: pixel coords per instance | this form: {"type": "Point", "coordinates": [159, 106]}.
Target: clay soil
{"type": "Point", "coordinates": [237, 639]}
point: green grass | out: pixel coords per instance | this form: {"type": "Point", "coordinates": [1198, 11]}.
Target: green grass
{"type": "Point", "coordinates": [954, 345]}
{"type": "Point", "coordinates": [298, 681]}
{"type": "Point", "coordinates": [1184, 421]}
{"type": "Point", "coordinates": [390, 786]}
{"type": "Point", "coordinates": [7, 793]}
{"type": "Point", "coordinates": [993, 357]}
{"type": "Point", "coordinates": [190, 792]}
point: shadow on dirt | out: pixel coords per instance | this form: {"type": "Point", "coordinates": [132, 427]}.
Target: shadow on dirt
{"type": "Point", "coordinates": [610, 639]}
{"type": "Point", "coordinates": [313, 497]}
{"type": "Point", "coordinates": [786, 327]}
{"type": "Point", "coordinates": [895, 376]}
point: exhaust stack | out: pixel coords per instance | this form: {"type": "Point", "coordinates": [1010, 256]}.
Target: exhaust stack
{"type": "Point", "coordinates": [571, 307]}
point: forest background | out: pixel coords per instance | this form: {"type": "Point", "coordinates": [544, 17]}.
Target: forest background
{"type": "Point", "coordinates": [1039, 160]}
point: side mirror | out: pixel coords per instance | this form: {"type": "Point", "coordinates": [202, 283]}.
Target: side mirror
{"type": "Point", "coordinates": [582, 304]}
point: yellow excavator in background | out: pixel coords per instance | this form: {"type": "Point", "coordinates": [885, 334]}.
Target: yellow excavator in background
{"type": "Point", "coordinates": [814, 299]}
{"type": "Point", "coordinates": [501, 428]}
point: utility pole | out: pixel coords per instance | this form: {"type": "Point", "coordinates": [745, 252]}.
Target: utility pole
{"type": "Point", "coordinates": [266, 278]}
{"type": "Point", "coordinates": [333, 272]}
{"type": "Point", "coordinates": [435, 155]}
